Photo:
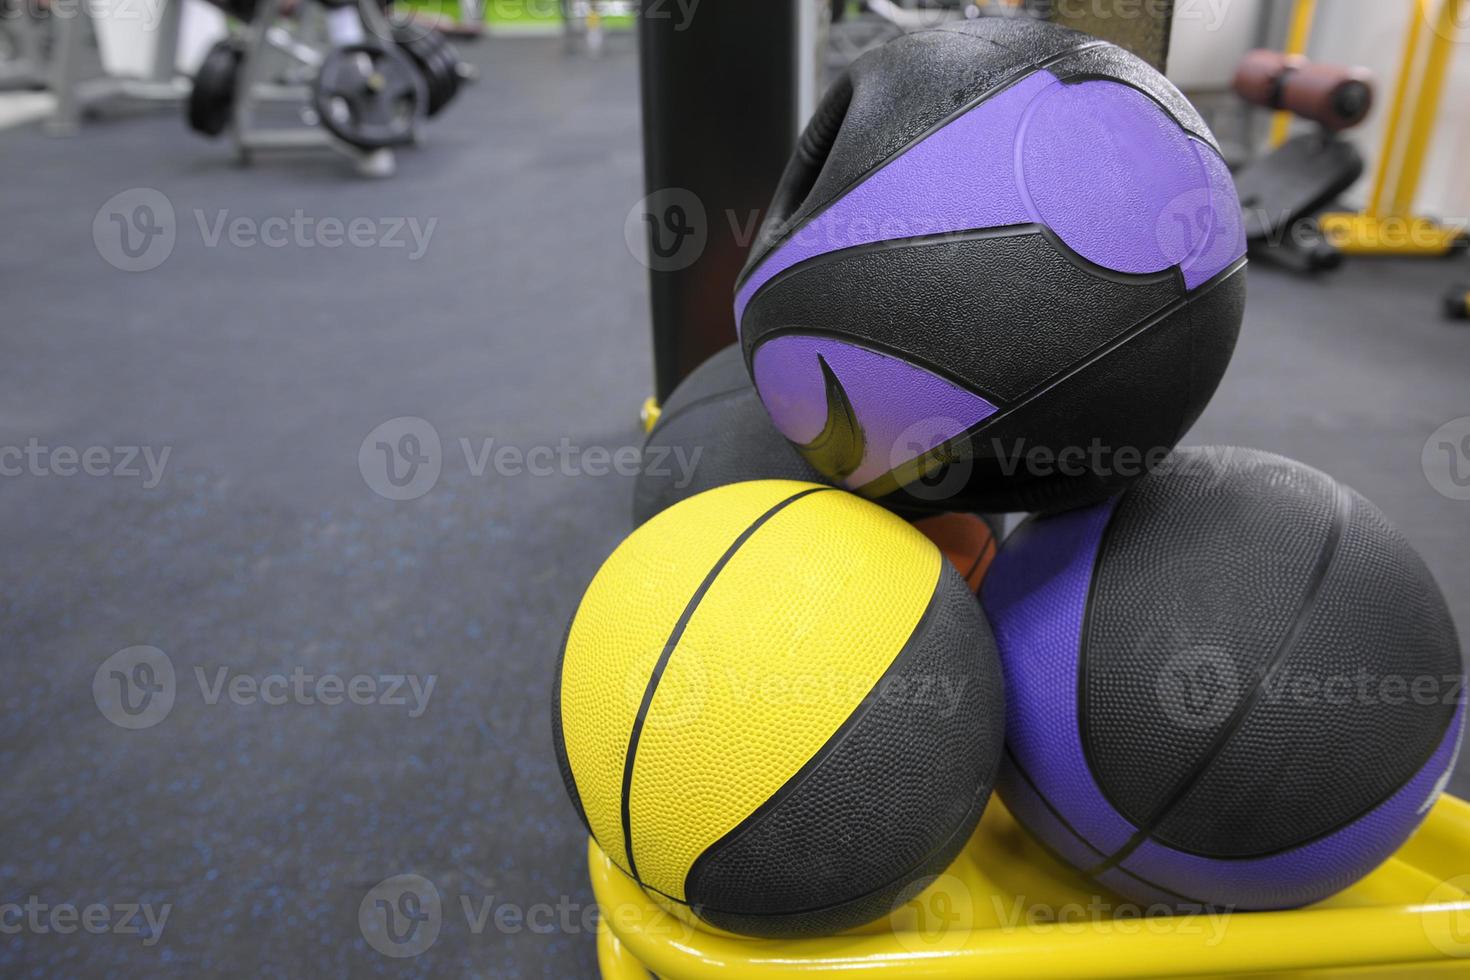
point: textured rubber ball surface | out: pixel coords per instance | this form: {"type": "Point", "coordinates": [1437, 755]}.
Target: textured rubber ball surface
{"type": "Point", "coordinates": [1252, 638]}
{"type": "Point", "coordinates": [779, 707]}
{"type": "Point", "coordinates": [867, 814]}
{"type": "Point", "coordinates": [1004, 267]}
{"type": "Point", "coordinates": [1234, 685]}
{"type": "Point", "coordinates": [712, 431]}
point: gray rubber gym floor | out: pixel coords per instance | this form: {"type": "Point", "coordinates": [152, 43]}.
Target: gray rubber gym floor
{"type": "Point", "coordinates": [262, 550]}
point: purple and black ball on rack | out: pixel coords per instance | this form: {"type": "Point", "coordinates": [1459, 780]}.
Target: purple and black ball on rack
{"type": "Point", "coordinates": [997, 244]}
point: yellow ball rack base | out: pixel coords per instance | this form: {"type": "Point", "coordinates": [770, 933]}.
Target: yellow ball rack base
{"type": "Point", "coordinates": [648, 414]}
{"type": "Point", "coordinates": [1005, 909]}
{"type": "Point", "coordinates": [1388, 226]}
{"type": "Point", "coordinates": [1366, 234]}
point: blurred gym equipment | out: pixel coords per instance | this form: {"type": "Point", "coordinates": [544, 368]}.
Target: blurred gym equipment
{"type": "Point", "coordinates": [1389, 226]}
{"type": "Point", "coordinates": [362, 77]}
{"type": "Point", "coordinates": [77, 95]}
{"type": "Point", "coordinates": [1299, 32]}
{"type": "Point", "coordinates": [369, 95]}
{"type": "Point", "coordinates": [582, 22]}
{"type": "Point", "coordinates": [1145, 32]}
{"type": "Point", "coordinates": [1282, 192]}
{"type": "Point", "coordinates": [1335, 97]}
{"type": "Point", "coordinates": [24, 38]}
{"type": "Point", "coordinates": [358, 78]}
{"type": "Point", "coordinates": [437, 62]}
{"type": "Point", "coordinates": [211, 102]}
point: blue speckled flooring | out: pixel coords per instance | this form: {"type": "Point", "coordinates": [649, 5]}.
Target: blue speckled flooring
{"type": "Point", "coordinates": [263, 551]}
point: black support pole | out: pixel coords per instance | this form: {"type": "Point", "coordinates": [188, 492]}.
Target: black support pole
{"type": "Point", "coordinates": [719, 90]}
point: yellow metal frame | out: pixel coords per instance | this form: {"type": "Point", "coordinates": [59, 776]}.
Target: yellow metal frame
{"type": "Point", "coordinates": [1388, 226]}
{"type": "Point", "coordinates": [648, 413]}
{"type": "Point", "coordinates": [1005, 909]}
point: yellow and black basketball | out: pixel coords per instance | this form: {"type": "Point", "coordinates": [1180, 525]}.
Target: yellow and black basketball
{"type": "Point", "coordinates": [779, 708]}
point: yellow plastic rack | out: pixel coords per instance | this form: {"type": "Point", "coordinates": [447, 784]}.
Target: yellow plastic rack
{"type": "Point", "coordinates": [1006, 909]}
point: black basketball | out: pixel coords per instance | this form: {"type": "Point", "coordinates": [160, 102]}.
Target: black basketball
{"type": "Point", "coordinates": [1234, 685]}
{"type": "Point", "coordinates": [712, 432]}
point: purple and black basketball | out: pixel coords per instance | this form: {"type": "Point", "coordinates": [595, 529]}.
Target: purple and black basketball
{"type": "Point", "coordinates": [1236, 685]}
{"type": "Point", "coordinates": [712, 432]}
{"type": "Point", "coordinates": [1004, 270]}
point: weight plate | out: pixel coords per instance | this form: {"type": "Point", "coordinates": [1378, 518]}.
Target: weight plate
{"type": "Point", "coordinates": [211, 101]}
{"type": "Point", "coordinates": [444, 70]}
{"type": "Point", "coordinates": [369, 96]}
{"type": "Point", "coordinates": [435, 59]}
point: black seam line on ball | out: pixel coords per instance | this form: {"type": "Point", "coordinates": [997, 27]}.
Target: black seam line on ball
{"type": "Point", "coordinates": [1021, 72]}
{"type": "Point", "coordinates": [940, 238]}
{"type": "Point", "coordinates": [899, 475]}
{"type": "Point", "coordinates": [1305, 841]}
{"type": "Point", "coordinates": [1062, 859]}
{"type": "Point", "coordinates": [975, 565]}
{"type": "Point", "coordinates": [987, 786]}
{"type": "Point", "coordinates": [1183, 899]}
{"type": "Point", "coordinates": [982, 797]}
{"type": "Point", "coordinates": [1288, 643]}
{"type": "Point", "coordinates": [1067, 824]}
{"type": "Point", "coordinates": [1083, 76]}
{"type": "Point", "coordinates": [1084, 641]}
{"type": "Point", "coordinates": [558, 732]}
{"type": "Point", "coordinates": [915, 639]}
{"type": "Point", "coordinates": [696, 403]}
{"type": "Point", "coordinates": [1000, 231]}
{"type": "Point", "coordinates": [667, 652]}
{"type": "Point", "coordinates": [877, 347]}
